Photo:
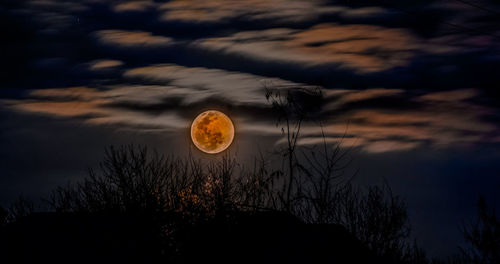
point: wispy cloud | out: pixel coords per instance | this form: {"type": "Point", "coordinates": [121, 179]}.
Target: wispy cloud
{"type": "Point", "coordinates": [90, 106]}
{"type": "Point", "coordinates": [325, 43]}
{"type": "Point", "coordinates": [104, 64]}
{"type": "Point", "coordinates": [133, 6]}
{"type": "Point", "coordinates": [130, 105]}
{"type": "Point", "coordinates": [236, 87]}
{"type": "Point", "coordinates": [363, 48]}
{"type": "Point", "coordinates": [199, 11]}
{"type": "Point", "coordinates": [132, 39]}
{"type": "Point", "coordinates": [441, 119]}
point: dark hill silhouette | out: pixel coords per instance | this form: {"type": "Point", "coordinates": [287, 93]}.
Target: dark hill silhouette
{"type": "Point", "coordinates": [264, 237]}
{"type": "Point", "coordinates": [273, 237]}
{"type": "Point", "coordinates": [79, 238]}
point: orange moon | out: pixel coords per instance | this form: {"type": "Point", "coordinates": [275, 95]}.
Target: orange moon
{"type": "Point", "coordinates": [212, 131]}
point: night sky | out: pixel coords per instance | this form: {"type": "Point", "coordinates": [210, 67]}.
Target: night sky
{"type": "Point", "coordinates": [414, 87]}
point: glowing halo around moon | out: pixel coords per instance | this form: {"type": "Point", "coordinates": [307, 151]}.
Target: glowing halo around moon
{"type": "Point", "coordinates": [212, 131]}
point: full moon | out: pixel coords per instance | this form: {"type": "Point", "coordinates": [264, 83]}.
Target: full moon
{"type": "Point", "coordinates": [212, 131]}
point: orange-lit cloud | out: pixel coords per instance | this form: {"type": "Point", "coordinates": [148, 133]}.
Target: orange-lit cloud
{"type": "Point", "coordinates": [104, 64]}
{"type": "Point", "coordinates": [219, 10]}
{"type": "Point", "coordinates": [443, 119]}
{"type": "Point", "coordinates": [363, 48]}
{"type": "Point", "coordinates": [132, 39]}
{"type": "Point", "coordinates": [91, 106]}
{"type": "Point", "coordinates": [340, 98]}
{"type": "Point", "coordinates": [200, 11]}
{"type": "Point", "coordinates": [440, 119]}
{"type": "Point", "coordinates": [136, 6]}
{"type": "Point", "coordinates": [110, 104]}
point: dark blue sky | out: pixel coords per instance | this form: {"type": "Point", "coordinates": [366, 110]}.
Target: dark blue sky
{"type": "Point", "coordinates": [416, 82]}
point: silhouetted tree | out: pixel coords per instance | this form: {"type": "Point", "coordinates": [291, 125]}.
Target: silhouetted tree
{"type": "Point", "coordinates": [3, 216]}
{"type": "Point", "coordinates": [20, 208]}
{"type": "Point", "coordinates": [483, 236]}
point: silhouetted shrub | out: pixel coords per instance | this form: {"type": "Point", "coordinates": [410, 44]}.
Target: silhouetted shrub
{"type": "Point", "coordinates": [292, 106]}
{"type": "Point", "coordinates": [314, 186]}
